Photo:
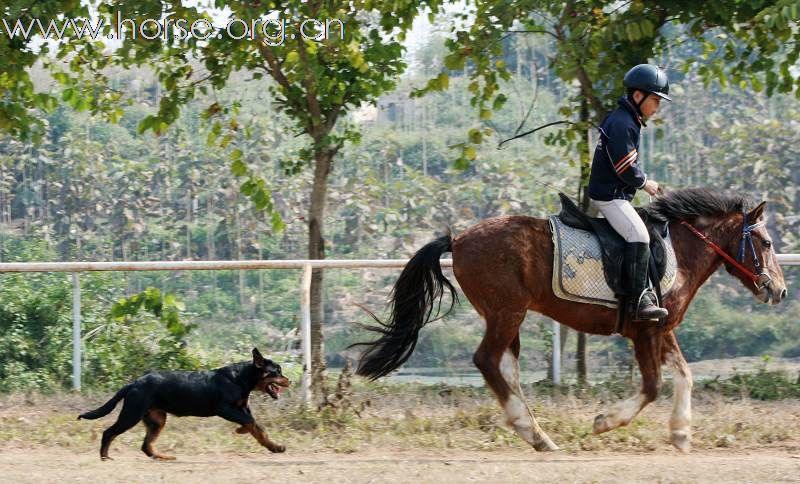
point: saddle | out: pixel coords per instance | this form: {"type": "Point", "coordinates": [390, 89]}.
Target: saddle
{"type": "Point", "coordinates": [613, 245]}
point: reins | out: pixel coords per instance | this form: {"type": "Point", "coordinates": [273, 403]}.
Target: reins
{"type": "Point", "coordinates": [746, 240]}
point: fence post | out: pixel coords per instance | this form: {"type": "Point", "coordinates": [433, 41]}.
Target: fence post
{"type": "Point", "coordinates": [556, 354]}
{"type": "Point", "coordinates": [76, 332]}
{"type": "Point", "coordinates": [305, 330]}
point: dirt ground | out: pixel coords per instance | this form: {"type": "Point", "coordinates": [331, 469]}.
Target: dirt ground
{"type": "Point", "coordinates": [513, 465]}
{"type": "Point", "coordinates": [408, 434]}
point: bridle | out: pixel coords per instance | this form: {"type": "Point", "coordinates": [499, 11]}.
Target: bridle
{"type": "Point", "coordinates": [761, 279]}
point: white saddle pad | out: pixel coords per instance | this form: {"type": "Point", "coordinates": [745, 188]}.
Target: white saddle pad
{"type": "Point", "coordinates": [578, 266]}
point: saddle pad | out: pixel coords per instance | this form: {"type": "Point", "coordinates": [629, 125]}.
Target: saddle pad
{"type": "Point", "coordinates": [578, 266]}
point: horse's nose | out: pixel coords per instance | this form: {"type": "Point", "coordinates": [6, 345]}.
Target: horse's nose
{"type": "Point", "coordinates": [782, 295]}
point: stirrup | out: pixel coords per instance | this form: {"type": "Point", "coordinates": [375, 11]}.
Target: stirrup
{"type": "Point", "coordinates": [657, 313]}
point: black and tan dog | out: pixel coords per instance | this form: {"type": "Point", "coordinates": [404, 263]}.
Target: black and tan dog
{"type": "Point", "coordinates": [223, 392]}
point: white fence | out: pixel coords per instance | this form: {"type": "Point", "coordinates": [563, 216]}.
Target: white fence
{"type": "Point", "coordinates": [305, 292]}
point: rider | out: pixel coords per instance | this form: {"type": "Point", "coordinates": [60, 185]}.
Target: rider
{"type": "Point", "coordinates": [616, 175]}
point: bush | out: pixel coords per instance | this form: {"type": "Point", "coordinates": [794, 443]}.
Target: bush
{"type": "Point", "coordinates": [764, 385]}
{"type": "Point", "coordinates": [36, 334]}
{"type": "Point", "coordinates": [714, 328]}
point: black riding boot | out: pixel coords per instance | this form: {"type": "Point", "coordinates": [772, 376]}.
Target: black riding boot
{"type": "Point", "coordinates": [637, 257]}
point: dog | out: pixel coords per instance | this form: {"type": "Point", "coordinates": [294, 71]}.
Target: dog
{"type": "Point", "coordinates": [223, 392]}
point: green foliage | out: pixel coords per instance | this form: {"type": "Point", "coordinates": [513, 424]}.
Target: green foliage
{"type": "Point", "coordinates": [595, 43]}
{"type": "Point", "coordinates": [165, 308]}
{"type": "Point", "coordinates": [118, 350]}
{"type": "Point", "coordinates": [763, 385]}
{"type": "Point", "coordinates": [36, 335]}
{"type": "Point", "coordinates": [95, 190]}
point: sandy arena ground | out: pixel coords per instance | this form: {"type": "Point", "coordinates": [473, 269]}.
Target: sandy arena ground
{"type": "Point", "coordinates": [59, 465]}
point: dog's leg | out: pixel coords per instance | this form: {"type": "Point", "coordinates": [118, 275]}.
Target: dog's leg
{"type": "Point", "coordinates": [244, 418]}
{"type": "Point", "coordinates": [257, 431]}
{"type": "Point", "coordinates": [154, 420]}
{"type": "Point", "coordinates": [243, 429]}
{"type": "Point", "coordinates": [133, 410]}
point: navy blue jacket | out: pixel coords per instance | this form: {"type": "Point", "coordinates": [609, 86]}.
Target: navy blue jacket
{"type": "Point", "coordinates": [615, 171]}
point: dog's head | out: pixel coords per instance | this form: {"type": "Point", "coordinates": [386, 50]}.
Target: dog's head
{"type": "Point", "coordinates": [270, 379]}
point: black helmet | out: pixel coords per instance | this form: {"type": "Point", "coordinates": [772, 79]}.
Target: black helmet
{"type": "Point", "coordinates": [648, 78]}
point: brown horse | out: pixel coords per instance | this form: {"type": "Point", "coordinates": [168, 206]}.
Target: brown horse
{"type": "Point", "coordinates": [504, 266]}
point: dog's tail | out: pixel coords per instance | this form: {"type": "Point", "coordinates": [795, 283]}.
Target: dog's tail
{"type": "Point", "coordinates": [108, 406]}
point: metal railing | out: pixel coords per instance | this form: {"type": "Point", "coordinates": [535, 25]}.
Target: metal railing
{"type": "Point", "coordinates": [305, 292]}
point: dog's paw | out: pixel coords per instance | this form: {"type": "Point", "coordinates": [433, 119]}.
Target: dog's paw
{"type": "Point", "coordinates": [277, 448]}
{"type": "Point", "coordinates": [163, 457]}
{"type": "Point", "coordinates": [242, 430]}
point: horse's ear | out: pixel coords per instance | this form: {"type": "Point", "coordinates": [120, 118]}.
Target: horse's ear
{"type": "Point", "coordinates": [258, 360]}
{"type": "Point", "coordinates": [756, 213]}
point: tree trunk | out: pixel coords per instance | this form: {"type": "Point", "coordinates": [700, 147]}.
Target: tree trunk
{"type": "Point", "coordinates": [189, 196]}
{"type": "Point", "coordinates": [210, 231]}
{"type": "Point", "coordinates": [238, 229]}
{"type": "Point", "coordinates": [424, 138]}
{"type": "Point", "coordinates": [580, 349]}
{"type": "Point", "coordinates": [316, 250]}
{"type": "Point", "coordinates": [260, 296]}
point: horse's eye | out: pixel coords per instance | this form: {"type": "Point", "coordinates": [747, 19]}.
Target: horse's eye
{"type": "Point", "coordinates": [767, 243]}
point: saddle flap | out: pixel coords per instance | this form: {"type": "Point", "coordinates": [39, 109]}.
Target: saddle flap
{"type": "Point", "coordinates": [579, 266]}
{"type": "Point", "coordinates": [612, 245]}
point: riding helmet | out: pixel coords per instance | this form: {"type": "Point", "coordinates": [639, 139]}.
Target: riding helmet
{"type": "Point", "coordinates": [648, 78]}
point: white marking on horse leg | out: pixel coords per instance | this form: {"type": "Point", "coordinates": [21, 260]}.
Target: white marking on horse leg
{"type": "Point", "coordinates": [680, 422]}
{"type": "Point", "coordinates": [518, 414]}
{"type": "Point", "coordinates": [620, 414]}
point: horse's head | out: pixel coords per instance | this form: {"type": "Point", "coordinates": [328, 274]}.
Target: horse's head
{"type": "Point", "coordinates": [752, 247]}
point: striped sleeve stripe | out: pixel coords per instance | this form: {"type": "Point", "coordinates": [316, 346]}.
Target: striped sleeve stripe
{"type": "Point", "coordinates": [624, 159]}
{"type": "Point", "coordinates": [626, 162]}
{"type": "Point", "coordinates": [624, 169]}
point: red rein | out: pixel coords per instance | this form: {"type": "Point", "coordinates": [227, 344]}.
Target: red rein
{"type": "Point", "coordinates": [752, 275]}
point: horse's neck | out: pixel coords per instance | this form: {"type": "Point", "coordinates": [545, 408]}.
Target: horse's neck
{"type": "Point", "coordinates": [696, 260]}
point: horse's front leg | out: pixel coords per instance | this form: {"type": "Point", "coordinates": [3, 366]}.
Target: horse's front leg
{"type": "Point", "coordinates": [647, 344]}
{"type": "Point", "coordinates": [680, 422]}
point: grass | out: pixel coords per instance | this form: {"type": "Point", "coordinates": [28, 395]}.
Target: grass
{"type": "Point", "coordinates": [404, 416]}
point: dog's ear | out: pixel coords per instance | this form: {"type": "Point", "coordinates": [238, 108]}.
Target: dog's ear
{"type": "Point", "coordinates": [258, 360]}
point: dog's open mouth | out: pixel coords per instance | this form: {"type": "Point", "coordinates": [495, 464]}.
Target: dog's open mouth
{"type": "Point", "coordinates": [273, 390]}
{"type": "Point", "coordinates": [274, 387]}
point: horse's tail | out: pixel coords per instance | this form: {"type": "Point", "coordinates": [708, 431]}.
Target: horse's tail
{"type": "Point", "coordinates": [108, 406]}
{"type": "Point", "coordinates": [420, 286]}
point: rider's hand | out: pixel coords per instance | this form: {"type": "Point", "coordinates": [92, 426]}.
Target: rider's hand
{"type": "Point", "coordinates": [651, 187]}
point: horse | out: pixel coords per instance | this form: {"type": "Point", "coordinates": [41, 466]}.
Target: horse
{"type": "Point", "coordinates": [504, 267]}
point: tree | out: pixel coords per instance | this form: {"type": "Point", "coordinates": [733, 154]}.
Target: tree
{"type": "Point", "coordinates": [319, 75]}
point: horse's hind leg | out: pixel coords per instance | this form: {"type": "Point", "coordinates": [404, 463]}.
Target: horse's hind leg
{"type": "Point", "coordinates": [497, 358]}
{"type": "Point", "coordinates": [154, 420]}
{"type": "Point", "coordinates": [680, 423]}
{"type": "Point", "coordinates": [647, 346]}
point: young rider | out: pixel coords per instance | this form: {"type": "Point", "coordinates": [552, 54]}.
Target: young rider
{"type": "Point", "coordinates": [616, 175]}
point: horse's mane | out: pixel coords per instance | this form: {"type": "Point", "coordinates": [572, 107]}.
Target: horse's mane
{"type": "Point", "coordinates": [691, 203]}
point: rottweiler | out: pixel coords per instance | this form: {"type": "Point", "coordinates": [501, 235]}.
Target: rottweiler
{"type": "Point", "coordinates": [222, 392]}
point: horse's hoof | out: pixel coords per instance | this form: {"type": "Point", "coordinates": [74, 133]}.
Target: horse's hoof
{"type": "Point", "coordinates": [545, 445]}
{"type": "Point", "coordinates": [600, 424]}
{"type": "Point", "coordinates": [105, 457]}
{"type": "Point", "coordinates": [163, 457]}
{"type": "Point", "coordinates": [682, 441]}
